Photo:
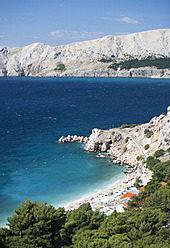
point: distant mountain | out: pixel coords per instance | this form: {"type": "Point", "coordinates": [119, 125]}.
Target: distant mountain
{"type": "Point", "coordinates": [145, 54]}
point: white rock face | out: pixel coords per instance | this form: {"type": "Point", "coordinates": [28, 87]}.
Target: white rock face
{"type": "Point", "coordinates": [82, 58]}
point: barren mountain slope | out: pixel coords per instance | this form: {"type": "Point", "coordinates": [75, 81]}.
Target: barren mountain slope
{"type": "Point", "coordinates": [89, 58]}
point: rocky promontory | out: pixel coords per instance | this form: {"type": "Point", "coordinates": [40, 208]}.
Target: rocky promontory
{"type": "Point", "coordinates": [144, 54]}
{"type": "Point", "coordinates": [132, 144]}
{"type": "Point", "coordinates": [129, 144]}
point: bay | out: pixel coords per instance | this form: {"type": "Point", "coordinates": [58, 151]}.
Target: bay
{"type": "Point", "coordinates": [36, 112]}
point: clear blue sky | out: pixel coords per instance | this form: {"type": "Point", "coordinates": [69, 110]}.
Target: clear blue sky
{"type": "Point", "coordinates": [60, 22]}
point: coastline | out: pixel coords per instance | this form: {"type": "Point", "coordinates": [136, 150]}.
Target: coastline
{"type": "Point", "coordinates": [89, 76]}
{"type": "Point", "coordinates": [129, 147]}
{"type": "Point", "coordinates": [107, 199]}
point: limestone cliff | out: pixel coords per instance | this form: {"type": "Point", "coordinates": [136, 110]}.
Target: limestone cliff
{"type": "Point", "coordinates": [85, 58]}
{"type": "Point", "coordinates": [132, 145]}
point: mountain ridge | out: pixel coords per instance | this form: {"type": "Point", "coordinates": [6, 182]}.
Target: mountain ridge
{"type": "Point", "coordinates": [84, 59]}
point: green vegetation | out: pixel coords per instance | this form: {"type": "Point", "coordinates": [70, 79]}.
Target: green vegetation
{"type": "Point", "coordinates": [60, 67]}
{"type": "Point", "coordinates": [168, 150]}
{"type": "Point", "coordinates": [143, 224]}
{"type": "Point", "coordinates": [126, 140]}
{"type": "Point", "coordinates": [151, 162]}
{"type": "Point", "coordinates": [113, 133]}
{"type": "Point", "coordinates": [114, 66]}
{"type": "Point", "coordinates": [160, 63]}
{"type": "Point", "coordinates": [149, 134]}
{"type": "Point", "coordinates": [103, 60]}
{"type": "Point", "coordinates": [138, 183]}
{"type": "Point", "coordinates": [140, 158]}
{"type": "Point", "coordinates": [125, 149]}
{"type": "Point", "coordinates": [129, 125]}
{"type": "Point", "coordinates": [146, 147]}
{"type": "Point", "coordinates": [159, 153]}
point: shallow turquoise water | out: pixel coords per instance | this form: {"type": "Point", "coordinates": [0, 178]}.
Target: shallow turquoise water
{"type": "Point", "coordinates": [35, 112]}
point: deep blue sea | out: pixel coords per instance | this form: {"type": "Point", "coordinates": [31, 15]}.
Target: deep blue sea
{"type": "Point", "coordinates": [36, 112]}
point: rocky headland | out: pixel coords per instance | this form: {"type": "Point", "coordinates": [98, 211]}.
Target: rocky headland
{"type": "Point", "coordinates": [132, 144]}
{"type": "Point", "coordinates": [144, 54]}
{"type": "Point", "coordinates": [129, 145]}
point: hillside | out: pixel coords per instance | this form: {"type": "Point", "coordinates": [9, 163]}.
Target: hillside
{"type": "Point", "coordinates": [94, 58]}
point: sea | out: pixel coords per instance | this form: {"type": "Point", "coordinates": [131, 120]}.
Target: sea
{"type": "Point", "coordinates": [36, 112]}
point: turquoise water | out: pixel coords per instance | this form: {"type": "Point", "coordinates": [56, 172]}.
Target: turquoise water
{"type": "Point", "coordinates": [36, 112]}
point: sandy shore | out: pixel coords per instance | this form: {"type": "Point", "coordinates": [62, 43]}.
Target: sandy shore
{"type": "Point", "coordinates": [108, 199]}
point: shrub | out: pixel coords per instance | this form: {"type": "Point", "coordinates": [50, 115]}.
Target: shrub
{"type": "Point", "coordinates": [168, 150]}
{"type": "Point", "coordinates": [138, 183]}
{"type": "Point", "coordinates": [146, 147]}
{"type": "Point", "coordinates": [128, 125]}
{"type": "Point", "coordinates": [160, 63]}
{"type": "Point", "coordinates": [126, 140]}
{"type": "Point", "coordinates": [149, 134]}
{"type": "Point", "coordinates": [125, 149]}
{"type": "Point", "coordinates": [113, 66]}
{"type": "Point", "coordinates": [140, 158]}
{"type": "Point", "coordinates": [151, 162]}
{"type": "Point", "coordinates": [60, 67]}
{"type": "Point", "coordinates": [113, 133]}
{"type": "Point", "coordinates": [103, 60]}
{"type": "Point", "coordinates": [159, 153]}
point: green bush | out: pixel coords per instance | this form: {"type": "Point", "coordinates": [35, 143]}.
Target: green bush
{"type": "Point", "coordinates": [146, 147]}
{"type": "Point", "coordinates": [126, 140]}
{"type": "Point", "coordinates": [114, 66]}
{"type": "Point", "coordinates": [103, 60]}
{"type": "Point", "coordinates": [125, 149]}
{"type": "Point", "coordinates": [60, 67]}
{"type": "Point", "coordinates": [138, 183]}
{"type": "Point", "coordinates": [159, 153]}
{"type": "Point", "coordinates": [113, 133]}
{"type": "Point", "coordinates": [128, 125]}
{"type": "Point", "coordinates": [140, 158]}
{"type": "Point", "coordinates": [160, 63]}
{"type": "Point", "coordinates": [168, 150]}
{"type": "Point", "coordinates": [149, 134]}
{"type": "Point", "coordinates": [151, 162]}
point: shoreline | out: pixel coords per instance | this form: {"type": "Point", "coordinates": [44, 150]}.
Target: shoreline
{"type": "Point", "coordinates": [135, 77]}
{"type": "Point", "coordinates": [107, 199]}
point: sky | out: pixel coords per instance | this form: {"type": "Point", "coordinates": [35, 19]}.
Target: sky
{"type": "Point", "coordinates": [60, 22]}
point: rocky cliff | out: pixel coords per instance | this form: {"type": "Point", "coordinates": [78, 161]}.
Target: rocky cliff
{"type": "Point", "coordinates": [89, 58]}
{"type": "Point", "coordinates": [132, 144]}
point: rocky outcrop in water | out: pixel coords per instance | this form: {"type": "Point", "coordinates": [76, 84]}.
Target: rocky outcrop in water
{"type": "Point", "coordinates": [83, 59]}
{"type": "Point", "coordinates": [72, 139]}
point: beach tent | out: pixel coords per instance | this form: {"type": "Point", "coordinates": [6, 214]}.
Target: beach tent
{"type": "Point", "coordinates": [128, 194]}
{"type": "Point", "coordinates": [163, 183]}
{"type": "Point", "coordinates": [142, 189]}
